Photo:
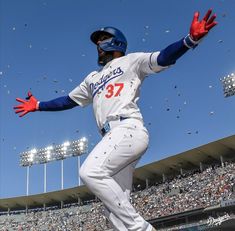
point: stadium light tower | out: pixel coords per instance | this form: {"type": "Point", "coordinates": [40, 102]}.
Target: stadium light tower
{"type": "Point", "coordinates": [53, 153]}
{"type": "Point", "coordinates": [229, 85]}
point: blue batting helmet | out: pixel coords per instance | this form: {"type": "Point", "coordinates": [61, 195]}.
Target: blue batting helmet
{"type": "Point", "coordinates": [117, 42]}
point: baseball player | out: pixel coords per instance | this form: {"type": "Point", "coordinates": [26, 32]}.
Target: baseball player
{"type": "Point", "coordinates": [114, 91]}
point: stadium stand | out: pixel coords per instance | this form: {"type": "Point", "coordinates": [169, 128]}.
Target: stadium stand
{"type": "Point", "coordinates": [200, 197]}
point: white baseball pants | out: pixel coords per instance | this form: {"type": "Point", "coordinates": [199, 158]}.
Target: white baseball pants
{"type": "Point", "coordinates": [108, 172]}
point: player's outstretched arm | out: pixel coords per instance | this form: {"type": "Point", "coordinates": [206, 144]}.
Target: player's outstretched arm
{"type": "Point", "coordinates": [198, 30]}
{"type": "Point", "coordinates": [31, 104]}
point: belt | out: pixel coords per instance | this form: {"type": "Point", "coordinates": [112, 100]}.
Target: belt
{"type": "Point", "coordinates": [106, 128]}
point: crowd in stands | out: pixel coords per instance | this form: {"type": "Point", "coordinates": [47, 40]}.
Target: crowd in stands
{"type": "Point", "coordinates": [199, 190]}
{"type": "Point", "coordinates": [182, 193]}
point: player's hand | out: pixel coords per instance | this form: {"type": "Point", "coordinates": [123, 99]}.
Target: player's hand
{"type": "Point", "coordinates": [198, 28]}
{"type": "Point", "coordinates": [26, 106]}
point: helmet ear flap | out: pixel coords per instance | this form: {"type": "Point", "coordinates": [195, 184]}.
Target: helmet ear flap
{"type": "Point", "coordinates": [113, 44]}
{"type": "Point", "coordinates": [117, 43]}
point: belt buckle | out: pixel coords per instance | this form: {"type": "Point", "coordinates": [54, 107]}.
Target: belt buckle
{"type": "Point", "coordinates": [106, 128]}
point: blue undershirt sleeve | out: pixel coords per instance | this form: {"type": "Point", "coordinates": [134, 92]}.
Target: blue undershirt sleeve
{"type": "Point", "coordinates": [170, 54]}
{"type": "Point", "coordinates": [58, 104]}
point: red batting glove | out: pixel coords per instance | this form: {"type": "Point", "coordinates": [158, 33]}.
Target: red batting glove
{"type": "Point", "coordinates": [198, 28]}
{"type": "Point", "coordinates": [26, 106]}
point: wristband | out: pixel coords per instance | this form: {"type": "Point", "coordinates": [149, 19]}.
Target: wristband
{"type": "Point", "coordinates": [190, 43]}
{"type": "Point", "coordinates": [37, 105]}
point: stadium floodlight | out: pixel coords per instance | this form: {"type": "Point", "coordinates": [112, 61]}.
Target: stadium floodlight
{"type": "Point", "coordinates": [48, 153]}
{"type": "Point", "coordinates": [66, 144]}
{"type": "Point", "coordinates": [229, 85]}
{"type": "Point", "coordinates": [52, 153]}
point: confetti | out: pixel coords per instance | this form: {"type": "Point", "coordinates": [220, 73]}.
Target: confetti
{"type": "Point", "coordinates": [224, 15]}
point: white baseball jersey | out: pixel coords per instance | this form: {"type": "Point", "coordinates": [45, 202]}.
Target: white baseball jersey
{"type": "Point", "coordinates": [114, 90]}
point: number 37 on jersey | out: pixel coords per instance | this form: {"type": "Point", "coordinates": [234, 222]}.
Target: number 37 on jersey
{"type": "Point", "coordinates": [113, 90]}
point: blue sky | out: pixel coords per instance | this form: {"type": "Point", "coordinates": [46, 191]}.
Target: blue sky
{"type": "Point", "coordinates": [45, 47]}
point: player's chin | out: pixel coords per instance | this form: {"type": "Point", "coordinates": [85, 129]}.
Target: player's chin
{"type": "Point", "coordinates": [104, 58]}
{"type": "Point", "coordinates": [101, 55]}
{"type": "Point", "coordinates": [101, 61]}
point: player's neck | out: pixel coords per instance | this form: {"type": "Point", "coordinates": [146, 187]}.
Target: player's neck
{"type": "Point", "coordinates": [117, 54]}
